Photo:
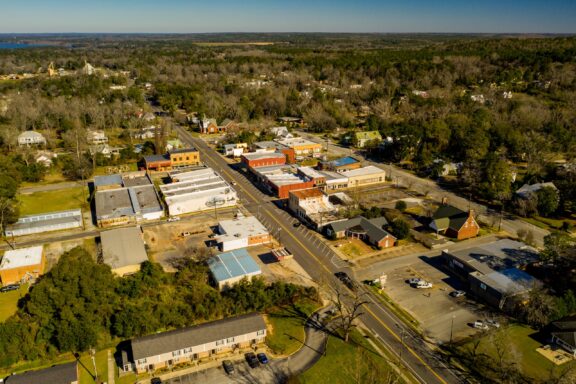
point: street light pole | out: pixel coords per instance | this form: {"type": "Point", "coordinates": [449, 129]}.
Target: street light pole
{"type": "Point", "coordinates": [451, 329]}
{"type": "Point", "coordinates": [93, 356]}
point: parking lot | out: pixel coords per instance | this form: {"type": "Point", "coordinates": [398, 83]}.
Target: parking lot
{"type": "Point", "coordinates": [438, 313]}
{"type": "Point", "coordinates": [272, 372]}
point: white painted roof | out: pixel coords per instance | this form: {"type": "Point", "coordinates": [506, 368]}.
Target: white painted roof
{"type": "Point", "coordinates": [21, 257]}
{"type": "Point", "coordinates": [241, 228]}
{"type": "Point", "coordinates": [369, 170]}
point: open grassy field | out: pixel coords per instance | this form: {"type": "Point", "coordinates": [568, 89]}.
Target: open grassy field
{"type": "Point", "coordinates": [9, 302]}
{"type": "Point", "coordinates": [288, 326]}
{"type": "Point", "coordinates": [520, 342]}
{"type": "Point", "coordinates": [86, 367]}
{"type": "Point", "coordinates": [50, 201]}
{"type": "Point", "coordinates": [353, 362]}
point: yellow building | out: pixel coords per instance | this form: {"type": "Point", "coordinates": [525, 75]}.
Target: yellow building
{"type": "Point", "coordinates": [184, 157]}
{"type": "Point", "coordinates": [302, 147]}
{"type": "Point", "coordinates": [22, 265]}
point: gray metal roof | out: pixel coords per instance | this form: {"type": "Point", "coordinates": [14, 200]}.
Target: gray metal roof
{"type": "Point", "coordinates": [232, 264]}
{"type": "Point", "coordinates": [373, 227]}
{"type": "Point", "coordinates": [123, 247]}
{"type": "Point", "coordinates": [165, 342]}
{"type": "Point", "coordinates": [58, 374]}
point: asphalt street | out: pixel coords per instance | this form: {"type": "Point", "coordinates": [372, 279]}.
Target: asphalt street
{"type": "Point", "coordinates": [321, 263]}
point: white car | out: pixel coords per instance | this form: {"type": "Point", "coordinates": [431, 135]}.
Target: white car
{"type": "Point", "coordinates": [423, 285]}
{"type": "Point", "coordinates": [493, 323]}
{"type": "Point", "coordinates": [479, 324]}
{"type": "Point", "coordinates": [174, 218]}
{"type": "Point", "coordinates": [414, 280]}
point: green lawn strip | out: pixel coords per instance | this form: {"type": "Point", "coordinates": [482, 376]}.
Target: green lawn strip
{"type": "Point", "coordinates": [50, 201]}
{"type": "Point", "coordinates": [53, 176]}
{"type": "Point", "coordinates": [406, 317]}
{"type": "Point", "coordinates": [9, 302]}
{"type": "Point", "coordinates": [86, 367]}
{"type": "Point", "coordinates": [537, 223]}
{"type": "Point", "coordinates": [531, 363]}
{"type": "Point", "coordinates": [352, 362]}
{"type": "Point", "coordinates": [288, 326]}
{"type": "Point", "coordinates": [36, 364]}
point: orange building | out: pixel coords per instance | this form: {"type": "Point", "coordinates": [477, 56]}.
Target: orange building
{"type": "Point", "coordinates": [184, 157]}
{"type": "Point", "coordinates": [22, 265]}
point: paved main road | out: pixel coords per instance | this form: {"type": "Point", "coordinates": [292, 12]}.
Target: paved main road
{"type": "Point", "coordinates": [321, 263]}
{"type": "Point", "coordinates": [432, 189]}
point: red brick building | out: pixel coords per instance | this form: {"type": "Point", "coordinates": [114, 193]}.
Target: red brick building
{"type": "Point", "coordinates": [263, 159]}
{"type": "Point", "coordinates": [455, 223]}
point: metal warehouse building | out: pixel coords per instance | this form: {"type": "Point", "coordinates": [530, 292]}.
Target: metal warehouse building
{"type": "Point", "coordinates": [231, 267]}
{"type": "Point", "coordinates": [46, 222]}
{"type": "Point", "coordinates": [196, 191]}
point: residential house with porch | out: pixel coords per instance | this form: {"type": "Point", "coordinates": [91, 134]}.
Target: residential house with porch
{"type": "Point", "coordinates": [361, 139]}
{"type": "Point", "coordinates": [28, 138]}
{"type": "Point", "coordinates": [564, 334]}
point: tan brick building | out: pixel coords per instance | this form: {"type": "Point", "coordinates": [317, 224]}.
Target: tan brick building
{"type": "Point", "coordinates": [22, 265]}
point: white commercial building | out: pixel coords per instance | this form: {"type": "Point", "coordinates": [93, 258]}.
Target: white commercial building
{"type": "Point", "coordinates": [241, 232]}
{"type": "Point", "coordinates": [46, 222]}
{"type": "Point", "coordinates": [197, 191]}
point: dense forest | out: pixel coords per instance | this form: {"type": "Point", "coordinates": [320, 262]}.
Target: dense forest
{"type": "Point", "coordinates": [80, 304]}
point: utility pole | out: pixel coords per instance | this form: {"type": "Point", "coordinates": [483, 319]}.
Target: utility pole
{"type": "Point", "coordinates": [93, 356]}
{"type": "Point", "coordinates": [451, 328]}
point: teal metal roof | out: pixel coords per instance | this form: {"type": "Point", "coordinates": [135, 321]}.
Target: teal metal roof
{"type": "Point", "coordinates": [232, 264]}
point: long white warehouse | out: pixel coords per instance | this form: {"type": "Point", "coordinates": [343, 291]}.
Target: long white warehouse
{"type": "Point", "coordinates": [196, 191]}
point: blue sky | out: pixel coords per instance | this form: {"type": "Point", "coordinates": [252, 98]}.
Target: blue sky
{"type": "Point", "coordinates": [192, 16]}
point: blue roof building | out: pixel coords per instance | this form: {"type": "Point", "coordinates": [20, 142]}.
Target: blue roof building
{"type": "Point", "coordinates": [230, 267]}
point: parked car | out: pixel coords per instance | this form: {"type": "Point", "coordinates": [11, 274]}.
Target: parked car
{"type": "Point", "coordinates": [228, 367]}
{"type": "Point", "coordinates": [262, 358]}
{"type": "Point", "coordinates": [9, 287]}
{"type": "Point", "coordinates": [457, 293]}
{"type": "Point", "coordinates": [423, 285]}
{"type": "Point", "coordinates": [414, 280]}
{"type": "Point", "coordinates": [297, 224]}
{"type": "Point", "coordinates": [173, 218]}
{"type": "Point", "coordinates": [252, 360]}
{"type": "Point", "coordinates": [156, 380]}
{"type": "Point", "coordinates": [479, 324]}
{"type": "Point", "coordinates": [493, 323]}
{"type": "Point", "coordinates": [185, 234]}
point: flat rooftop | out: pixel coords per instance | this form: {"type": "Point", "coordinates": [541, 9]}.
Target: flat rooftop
{"type": "Point", "coordinates": [310, 172]}
{"type": "Point", "coordinates": [268, 145]}
{"type": "Point", "coordinates": [123, 247]}
{"type": "Point", "coordinates": [198, 173]}
{"type": "Point", "coordinates": [498, 255]}
{"type": "Point", "coordinates": [303, 194]}
{"type": "Point", "coordinates": [509, 281]}
{"type": "Point", "coordinates": [241, 227]}
{"type": "Point", "coordinates": [22, 257]}
{"type": "Point", "coordinates": [281, 175]}
{"type": "Point", "coordinates": [136, 180]}
{"type": "Point", "coordinates": [127, 201]}
{"type": "Point", "coordinates": [296, 141]}
{"type": "Point", "coordinates": [364, 171]}
{"type": "Point", "coordinates": [263, 155]}
{"type": "Point", "coordinates": [343, 161]}
{"type": "Point", "coordinates": [229, 265]}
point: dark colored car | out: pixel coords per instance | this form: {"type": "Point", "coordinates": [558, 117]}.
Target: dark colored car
{"type": "Point", "coordinates": [252, 360]}
{"type": "Point", "coordinates": [344, 278]}
{"type": "Point", "coordinates": [228, 367]}
{"type": "Point", "coordinates": [156, 380]}
{"type": "Point", "coordinates": [10, 287]}
{"type": "Point", "coordinates": [297, 224]}
{"type": "Point", "coordinates": [262, 358]}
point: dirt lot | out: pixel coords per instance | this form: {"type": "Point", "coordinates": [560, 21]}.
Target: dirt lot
{"type": "Point", "coordinates": [434, 308]}
{"type": "Point", "coordinates": [165, 241]}
{"type": "Point", "coordinates": [54, 250]}
{"type": "Point", "coordinates": [286, 270]}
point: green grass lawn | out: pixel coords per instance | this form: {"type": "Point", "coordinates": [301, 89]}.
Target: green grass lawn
{"type": "Point", "coordinates": [353, 362]}
{"type": "Point", "coordinates": [53, 176]}
{"type": "Point", "coordinates": [50, 201]}
{"type": "Point", "coordinates": [9, 302]}
{"type": "Point", "coordinates": [86, 367]}
{"type": "Point", "coordinates": [288, 326]}
{"type": "Point", "coordinates": [518, 339]}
